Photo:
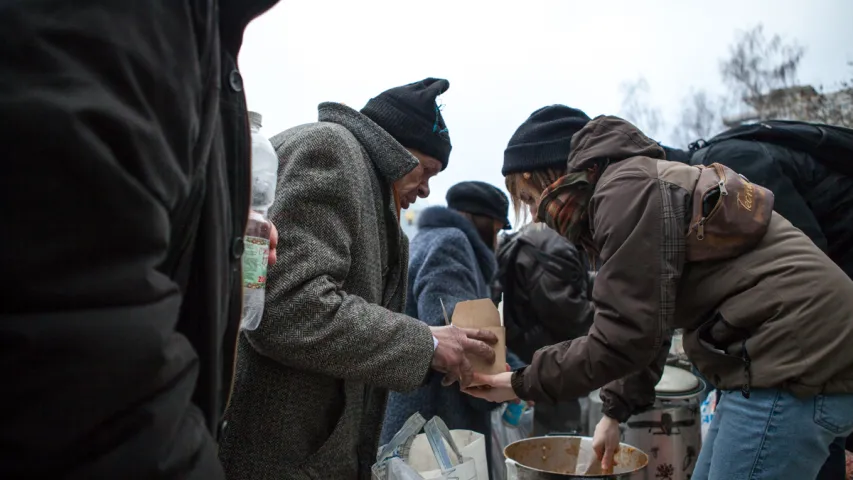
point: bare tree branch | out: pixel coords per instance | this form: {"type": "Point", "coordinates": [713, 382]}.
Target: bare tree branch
{"type": "Point", "coordinates": [636, 108]}
{"type": "Point", "coordinates": [700, 119]}
{"type": "Point", "coordinates": [758, 67]}
{"type": "Point", "coordinates": [835, 107]}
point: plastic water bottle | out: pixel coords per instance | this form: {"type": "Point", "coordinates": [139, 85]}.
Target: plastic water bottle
{"type": "Point", "coordinates": [257, 241]}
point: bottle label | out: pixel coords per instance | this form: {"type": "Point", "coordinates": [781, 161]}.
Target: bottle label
{"type": "Point", "coordinates": [256, 254]}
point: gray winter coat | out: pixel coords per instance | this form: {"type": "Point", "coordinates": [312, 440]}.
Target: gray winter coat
{"type": "Point", "coordinates": [312, 381]}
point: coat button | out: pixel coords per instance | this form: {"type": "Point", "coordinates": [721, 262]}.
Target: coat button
{"type": "Point", "coordinates": [236, 81]}
{"type": "Point", "coordinates": [237, 248]}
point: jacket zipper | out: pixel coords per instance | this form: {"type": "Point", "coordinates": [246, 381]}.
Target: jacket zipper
{"type": "Point", "coordinates": [747, 376]}
{"type": "Point", "coordinates": [721, 185]}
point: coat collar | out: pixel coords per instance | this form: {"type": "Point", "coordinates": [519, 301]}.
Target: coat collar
{"type": "Point", "coordinates": [391, 159]}
{"type": "Point", "coordinates": [443, 217]}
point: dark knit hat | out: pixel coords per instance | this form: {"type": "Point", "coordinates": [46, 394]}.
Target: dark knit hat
{"type": "Point", "coordinates": [480, 198]}
{"type": "Point", "coordinates": [410, 114]}
{"type": "Point", "coordinates": [544, 140]}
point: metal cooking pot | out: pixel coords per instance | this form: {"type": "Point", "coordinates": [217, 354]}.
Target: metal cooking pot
{"type": "Point", "coordinates": [559, 458]}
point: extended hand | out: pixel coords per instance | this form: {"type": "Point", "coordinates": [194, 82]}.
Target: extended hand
{"type": "Point", "coordinates": [494, 388]}
{"type": "Point", "coordinates": [453, 345]}
{"type": "Point", "coordinates": [605, 442]}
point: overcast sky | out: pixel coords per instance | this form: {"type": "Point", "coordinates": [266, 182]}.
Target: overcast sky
{"type": "Point", "coordinates": [504, 59]}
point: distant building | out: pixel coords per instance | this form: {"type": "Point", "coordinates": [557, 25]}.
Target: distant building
{"type": "Point", "coordinates": [803, 103]}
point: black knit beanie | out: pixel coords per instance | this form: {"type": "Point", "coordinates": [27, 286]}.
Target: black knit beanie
{"type": "Point", "coordinates": [410, 114]}
{"type": "Point", "coordinates": [480, 198]}
{"type": "Point", "coordinates": [544, 140]}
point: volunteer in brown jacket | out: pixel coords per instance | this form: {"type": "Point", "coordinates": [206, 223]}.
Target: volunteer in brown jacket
{"type": "Point", "coordinates": [768, 317]}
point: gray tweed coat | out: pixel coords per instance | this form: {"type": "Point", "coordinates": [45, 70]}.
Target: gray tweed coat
{"type": "Point", "coordinates": [312, 381]}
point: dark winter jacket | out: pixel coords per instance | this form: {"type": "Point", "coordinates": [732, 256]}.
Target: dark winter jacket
{"type": "Point", "coordinates": [127, 149]}
{"type": "Point", "coordinates": [545, 287]}
{"type": "Point", "coordinates": [815, 199]}
{"type": "Point", "coordinates": [450, 263]}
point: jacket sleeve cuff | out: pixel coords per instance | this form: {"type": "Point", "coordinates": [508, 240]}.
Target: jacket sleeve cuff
{"type": "Point", "coordinates": [517, 382]}
{"type": "Point", "coordinates": [615, 408]}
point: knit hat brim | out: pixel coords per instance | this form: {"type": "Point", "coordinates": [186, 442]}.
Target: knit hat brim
{"type": "Point", "coordinates": [535, 156]}
{"type": "Point", "coordinates": [544, 140]}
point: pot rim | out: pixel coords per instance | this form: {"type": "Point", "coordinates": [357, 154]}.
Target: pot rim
{"type": "Point", "coordinates": [571, 475]}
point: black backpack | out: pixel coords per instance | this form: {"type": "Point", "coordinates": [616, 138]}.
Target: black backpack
{"type": "Point", "coordinates": [827, 144]}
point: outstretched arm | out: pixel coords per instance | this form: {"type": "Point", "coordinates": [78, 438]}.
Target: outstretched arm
{"type": "Point", "coordinates": [637, 226]}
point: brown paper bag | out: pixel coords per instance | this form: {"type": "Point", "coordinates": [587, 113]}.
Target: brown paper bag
{"type": "Point", "coordinates": [483, 314]}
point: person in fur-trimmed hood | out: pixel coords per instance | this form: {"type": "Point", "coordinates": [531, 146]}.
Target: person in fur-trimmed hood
{"type": "Point", "coordinates": [312, 380]}
{"type": "Point", "coordinates": [452, 260]}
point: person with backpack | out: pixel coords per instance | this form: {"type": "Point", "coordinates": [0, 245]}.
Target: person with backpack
{"type": "Point", "coordinates": [312, 380]}
{"type": "Point", "coordinates": [452, 260]}
{"type": "Point", "coordinates": [125, 197]}
{"type": "Point", "coordinates": [734, 282]}
{"type": "Point", "coordinates": [809, 169]}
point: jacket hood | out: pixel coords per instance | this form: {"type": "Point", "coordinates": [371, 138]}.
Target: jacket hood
{"type": "Point", "coordinates": [611, 138]}
{"type": "Point", "coordinates": [391, 159]}
{"type": "Point", "coordinates": [443, 217]}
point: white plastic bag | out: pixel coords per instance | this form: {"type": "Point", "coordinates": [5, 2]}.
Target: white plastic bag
{"type": "Point", "coordinates": [503, 434]}
{"type": "Point", "coordinates": [471, 445]}
{"type": "Point", "coordinates": [407, 458]}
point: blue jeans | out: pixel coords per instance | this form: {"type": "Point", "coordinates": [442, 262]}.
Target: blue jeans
{"type": "Point", "coordinates": [772, 435]}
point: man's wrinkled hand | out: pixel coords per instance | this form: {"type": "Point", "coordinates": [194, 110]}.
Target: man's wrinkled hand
{"type": "Point", "coordinates": [454, 345]}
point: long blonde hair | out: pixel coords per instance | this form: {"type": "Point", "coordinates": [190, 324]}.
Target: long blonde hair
{"type": "Point", "coordinates": [535, 182]}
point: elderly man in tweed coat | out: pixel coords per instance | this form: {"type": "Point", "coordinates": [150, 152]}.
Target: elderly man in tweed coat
{"type": "Point", "coordinates": [313, 379]}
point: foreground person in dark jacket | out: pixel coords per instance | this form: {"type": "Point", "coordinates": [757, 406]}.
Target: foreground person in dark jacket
{"type": "Point", "coordinates": [813, 197]}
{"type": "Point", "coordinates": [124, 200]}
{"type": "Point", "coordinates": [779, 352]}
{"type": "Point", "coordinates": [545, 286]}
{"type": "Point", "coordinates": [452, 260]}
